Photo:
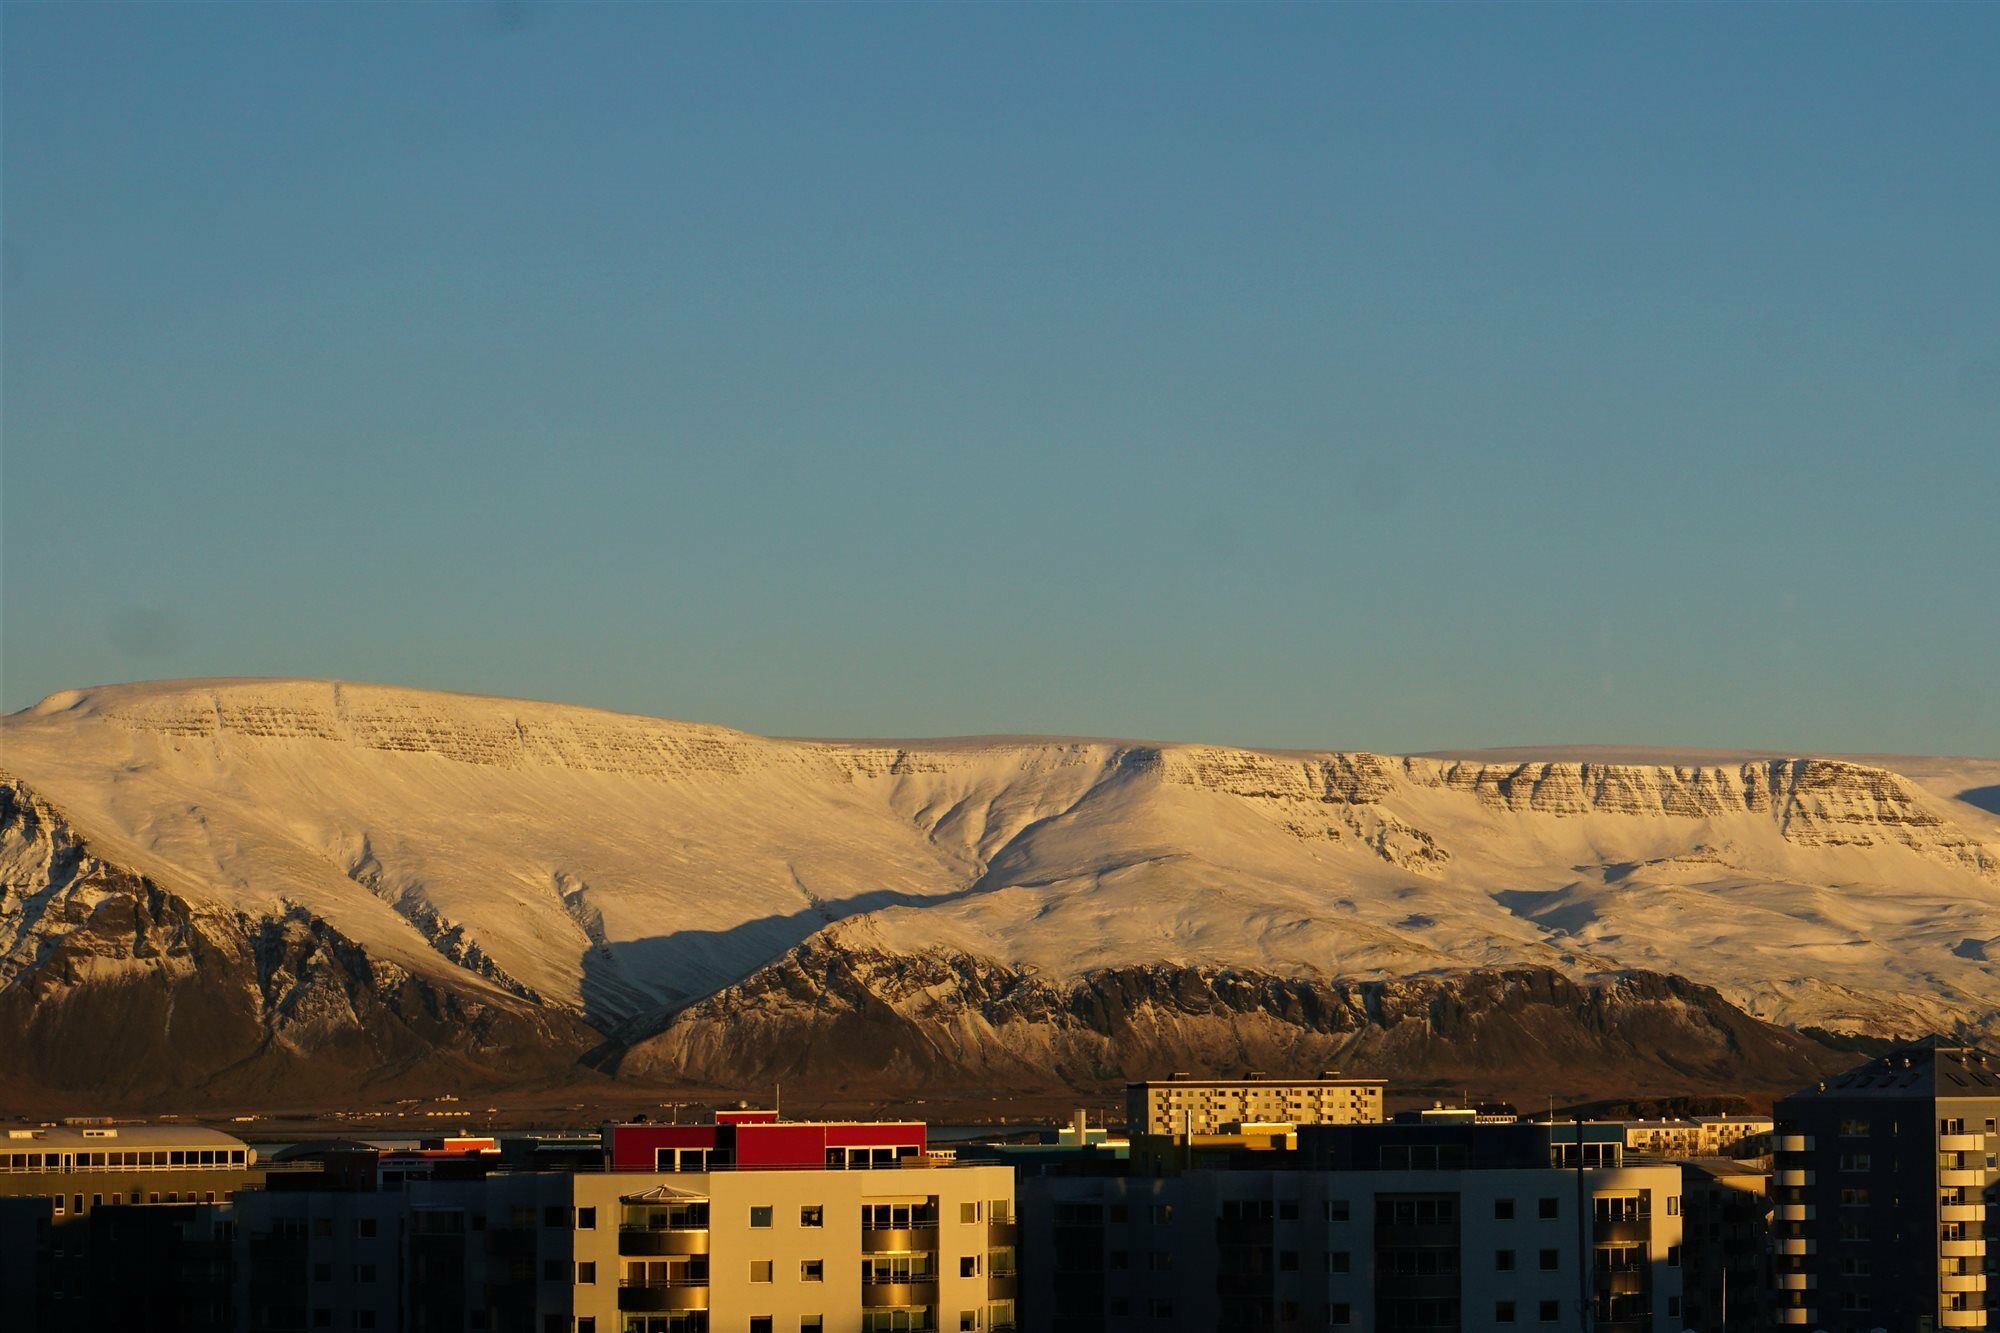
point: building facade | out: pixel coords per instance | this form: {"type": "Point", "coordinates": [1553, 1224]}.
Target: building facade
{"type": "Point", "coordinates": [1881, 1182]}
{"type": "Point", "coordinates": [1183, 1105]}
{"type": "Point", "coordinates": [764, 1226]}
{"type": "Point", "coordinates": [1392, 1227]}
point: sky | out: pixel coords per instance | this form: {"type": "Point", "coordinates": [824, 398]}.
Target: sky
{"type": "Point", "coordinates": [1398, 377]}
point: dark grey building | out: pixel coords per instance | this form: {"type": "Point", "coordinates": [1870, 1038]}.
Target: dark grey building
{"type": "Point", "coordinates": [1882, 1178]}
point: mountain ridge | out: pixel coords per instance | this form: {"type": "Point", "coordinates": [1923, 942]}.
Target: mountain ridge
{"type": "Point", "coordinates": [604, 872]}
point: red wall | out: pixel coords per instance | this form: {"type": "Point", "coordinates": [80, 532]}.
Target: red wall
{"type": "Point", "coordinates": [759, 1143]}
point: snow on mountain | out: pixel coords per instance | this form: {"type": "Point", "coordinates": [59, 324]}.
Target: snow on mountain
{"type": "Point", "coordinates": [535, 860]}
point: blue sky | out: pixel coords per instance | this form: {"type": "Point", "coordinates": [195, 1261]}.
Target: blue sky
{"type": "Point", "coordinates": [1389, 376]}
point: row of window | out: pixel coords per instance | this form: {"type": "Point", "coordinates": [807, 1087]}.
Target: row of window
{"type": "Point", "coordinates": [1633, 1207]}
{"type": "Point", "coordinates": [65, 1205]}
{"type": "Point", "coordinates": [149, 1159]}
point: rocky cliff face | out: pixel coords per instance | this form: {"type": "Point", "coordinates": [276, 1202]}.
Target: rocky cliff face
{"type": "Point", "coordinates": [112, 987]}
{"type": "Point", "coordinates": [232, 884]}
{"type": "Point", "coordinates": [829, 1016]}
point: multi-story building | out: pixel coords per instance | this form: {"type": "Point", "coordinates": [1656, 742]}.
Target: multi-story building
{"type": "Point", "coordinates": [1725, 1253]}
{"type": "Point", "coordinates": [55, 1179]}
{"type": "Point", "coordinates": [1881, 1184]}
{"type": "Point", "coordinates": [749, 1225]}
{"type": "Point", "coordinates": [1700, 1136]}
{"type": "Point", "coordinates": [1184, 1105]}
{"type": "Point", "coordinates": [1432, 1226]}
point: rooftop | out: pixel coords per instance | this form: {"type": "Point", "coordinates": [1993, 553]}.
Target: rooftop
{"type": "Point", "coordinates": [1923, 1071]}
{"type": "Point", "coordinates": [92, 1137]}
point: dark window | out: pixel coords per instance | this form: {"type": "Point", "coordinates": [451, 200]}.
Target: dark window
{"type": "Point", "coordinates": [1548, 1207]}
{"type": "Point", "coordinates": [1503, 1260]}
{"type": "Point", "coordinates": [1550, 1311]}
{"type": "Point", "coordinates": [553, 1216]}
{"type": "Point", "coordinates": [1551, 1260]}
{"type": "Point", "coordinates": [1503, 1210]}
{"type": "Point", "coordinates": [586, 1219]}
{"type": "Point", "coordinates": [1503, 1312]}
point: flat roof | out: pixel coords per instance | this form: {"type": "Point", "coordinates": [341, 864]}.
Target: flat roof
{"type": "Point", "coordinates": [117, 1136]}
{"type": "Point", "coordinates": [1333, 1081]}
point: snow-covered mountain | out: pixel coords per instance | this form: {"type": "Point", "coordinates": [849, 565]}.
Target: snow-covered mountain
{"type": "Point", "coordinates": [218, 884]}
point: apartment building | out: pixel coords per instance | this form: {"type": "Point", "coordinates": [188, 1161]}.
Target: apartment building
{"type": "Point", "coordinates": [1881, 1184]}
{"type": "Point", "coordinates": [1725, 1251]}
{"type": "Point", "coordinates": [1431, 1226]}
{"type": "Point", "coordinates": [1699, 1136]}
{"type": "Point", "coordinates": [1184, 1105]}
{"type": "Point", "coordinates": [755, 1225]}
{"type": "Point", "coordinates": [54, 1180]}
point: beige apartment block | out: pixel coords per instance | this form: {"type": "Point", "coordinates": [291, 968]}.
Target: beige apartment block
{"type": "Point", "coordinates": [920, 1247]}
{"type": "Point", "coordinates": [1182, 1105]}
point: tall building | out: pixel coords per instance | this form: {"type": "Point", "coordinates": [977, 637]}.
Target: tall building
{"type": "Point", "coordinates": [1725, 1255]}
{"type": "Point", "coordinates": [1184, 1105]}
{"type": "Point", "coordinates": [1419, 1226]}
{"type": "Point", "coordinates": [1881, 1183]}
{"type": "Point", "coordinates": [749, 1225]}
{"type": "Point", "coordinates": [55, 1180]}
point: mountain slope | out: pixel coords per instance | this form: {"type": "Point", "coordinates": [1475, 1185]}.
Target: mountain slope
{"type": "Point", "coordinates": [484, 882]}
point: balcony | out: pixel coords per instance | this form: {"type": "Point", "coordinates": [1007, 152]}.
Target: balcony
{"type": "Point", "coordinates": [649, 1242]}
{"type": "Point", "coordinates": [914, 1292]}
{"type": "Point", "coordinates": [1972, 1247]}
{"type": "Point", "coordinates": [1960, 1178]}
{"type": "Point", "coordinates": [1962, 1282]}
{"type": "Point", "coordinates": [1001, 1234]}
{"type": "Point", "coordinates": [1797, 1317]}
{"type": "Point", "coordinates": [1962, 1212]}
{"type": "Point", "coordinates": [909, 1240]}
{"type": "Point", "coordinates": [1797, 1245]}
{"type": "Point", "coordinates": [1796, 1212]}
{"type": "Point", "coordinates": [1962, 1143]}
{"type": "Point", "coordinates": [1961, 1319]}
{"type": "Point", "coordinates": [1795, 1180]}
{"type": "Point", "coordinates": [662, 1297]}
{"type": "Point", "coordinates": [1797, 1282]}
{"type": "Point", "coordinates": [1002, 1287]}
{"type": "Point", "coordinates": [1792, 1143]}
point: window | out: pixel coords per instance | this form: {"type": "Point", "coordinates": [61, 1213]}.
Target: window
{"type": "Point", "coordinates": [554, 1215]}
{"type": "Point", "coordinates": [1551, 1260]}
{"type": "Point", "coordinates": [967, 1322]}
{"type": "Point", "coordinates": [1673, 1307]}
{"type": "Point", "coordinates": [322, 1272]}
{"type": "Point", "coordinates": [760, 1217]}
{"type": "Point", "coordinates": [1340, 1313]}
{"type": "Point", "coordinates": [552, 1270]}
{"type": "Point", "coordinates": [760, 1323]}
{"type": "Point", "coordinates": [1853, 1129]}
{"type": "Point", "coordinates": [1339, 1261]}
{"type": "Point", "coordinates": [1503, 1312]}
{"type": "Point", "coordinates": [586, 1274]}
{"type": "Point", "coordinates": [812, 1215]}
{"type": "Point", "coordinates": [1549, 1311]}
{"type": "Point", "coordinates": [1288, 1210]}
{"type": "Point", "coordinates": [1503, 1261]}
{"type": "Point", "coordinates": [760, 1270]}
{"type": "Point", "coordinates": [586, 1219]}
{"type": "Point", "coordinates": [968, 1212]}
{"type": "Point", "coordinates": [1503, 1210]}
{"type": "Point", "coordinates": [1673, 1256]}
{"type": "Point", "coordinates": [1288, 1261]}
{"type": "Point", "coordinates": [1163, 1212]}
{"type": "Point", "coordinates": [366, 1227]}
{"type": "Point", "coordinates": [322, 1319]}
{"type": "Point", "coordinates": [968, 1265]}
{"type": "Point", "coordinates": [1548, 1207]}
{"type": "Point", "coordinates": [1336, 1210]}
{"type": "Point", "coordinates": [1856, 1161]}
{"type": "Point", "coordinates": [812, 1270]}
{"type": "Point", "coordinates": [812, 1323]}
{"type": "Point", "coordinates": [586, 1324]}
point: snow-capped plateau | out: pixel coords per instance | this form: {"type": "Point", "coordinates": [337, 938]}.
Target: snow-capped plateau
{"type": "Point", "coordinates": [378, 879]}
